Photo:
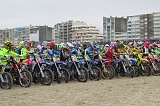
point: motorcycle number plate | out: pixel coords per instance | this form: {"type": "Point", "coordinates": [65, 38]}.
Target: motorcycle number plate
{"type": "Point", "coordinates": [38, 59]}
{"type": "Point", "coordinates": [17, 59]}
{"type": "Point", "coordinates": [55, 59]}
{"type": "Point", "coordinates": [87, 58]}
{"type": "Point", "coordinates": [121, 56]}
{"type": "Point", "coordinates": [74, 58]}
{"type": "Point", "coordinates": [100, 57]}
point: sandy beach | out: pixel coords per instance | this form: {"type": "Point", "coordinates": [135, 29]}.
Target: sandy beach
{"type": "Point", "coordinates": [122, 91]}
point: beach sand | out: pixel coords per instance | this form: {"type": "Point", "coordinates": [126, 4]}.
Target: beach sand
{"type": "Point", "coordinates": [122, 91]}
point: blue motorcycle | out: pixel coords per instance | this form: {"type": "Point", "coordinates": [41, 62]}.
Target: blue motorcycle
{"type": "Point", "coordinates": [76, 68]}
{"type": "Point", "coordinates": [94, 71]}
{"type": "Point", "coordinates": [40, 73]}
{"type": "Point", "coordinates": [123, 66]}
{"type": "Point", "coordinates": [60, 74]}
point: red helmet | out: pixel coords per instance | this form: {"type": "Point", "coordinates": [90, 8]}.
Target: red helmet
{"type": "Point", "coordinates": [51, 44]}
{"type": "Point", "coordinates": [146, 44]}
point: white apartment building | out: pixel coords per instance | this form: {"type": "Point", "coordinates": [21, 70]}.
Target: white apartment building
{"type": "Point", "coordinates": [114, 28]}
{"type": "Point", "coordinates": [75, 31]}
{"type": "Point", "coordinates": [120, 36]}
{"type": "Point", "coordinates": [34, 33]}
{"type": "Point", "coordinates": [156, 25]}
{"type": "Point", "coordinates": [144, 26]}
{"type": "Point", "coordinates": [85, 33]}
{"type": "Point", "coordinates": [133, 28]}
{"type": "Point", "coordinates": [55, 33]}
{"type": "Point", "coordinates": [21, 34]}
{"type": "Point", "coordinates": [6, 34]}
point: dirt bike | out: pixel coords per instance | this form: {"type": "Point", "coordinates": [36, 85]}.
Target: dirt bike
{"type": "Point", "coordinates": [18, 71]}
{"type": "Point", "coordinates": [153, 61]}
{"type": "Point", "coordinates": [6, 80]}
{"type": "Point", "coordinates": [91, 66]}
{"type": "Point", "coordinates": [76, 70]}
{"type": "Point", "coordinates": [107, 71]}
{"type": "Point", "coordinates": [41, 74]}
{"type": "Point", "coordinates": [143, 64]}
{"type": "Point", "coordinates": [136, 68]}
{"type": "Point", "coordinates": [54, 63]}
{"type": "Point", "coordinates": [123, 65]}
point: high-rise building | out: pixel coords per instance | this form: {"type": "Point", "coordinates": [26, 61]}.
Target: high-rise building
{"type": "Point", "coordinates": [6, 34]}
{"type": "Point", "coordinates": [75, 31]}
{"type": "Point", "coordinates": [65, 31]}
{"type": "Point", "coordinates": [133, 27]}
{"type": "Point", "coordinates": [156, 25]}
{"type": "Point", "coordinates": [21, 34]}
{"type": "Point", "coordinates": [35, 33]}
{"type": "Point", "coordinates": [114, 28]}
{"type": "Point", "coordinates": [143, 26]}
{"type": "Point", "coordinates": [56, 33]}
{"type": "Point", "coordinates": [85, 33]}
{"type": "Point", "coordinates": [146, 26]}
{"type": "Point", "coordinates": [40, 33]}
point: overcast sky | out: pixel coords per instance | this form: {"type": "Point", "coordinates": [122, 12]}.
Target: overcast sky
{"type": "Point", "coordinates": [19, 13]}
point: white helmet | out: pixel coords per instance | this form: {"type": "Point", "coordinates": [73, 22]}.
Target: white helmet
{"type": "Point", "coordinates": [107, 45]}
{"type": "Point", "coordinates": [70, 45]}
{"type": "Point", "coordinates": [39, 47]}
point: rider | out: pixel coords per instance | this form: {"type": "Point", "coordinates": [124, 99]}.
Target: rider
{"type": "Point", "coordinates": [6, 51]}
{"type": "Point", "coordinates": [64, 52]}
{"type": "Point", "coordinates": [146, 48]}
{"type": "Point", "coordinates": [22, 51]}
{"type": "Point", "coordinates": [54, 48]}
{"type": "Point", "coordinates": [91, 51]}
{"type": "Point", "coordinates": [73, 50]}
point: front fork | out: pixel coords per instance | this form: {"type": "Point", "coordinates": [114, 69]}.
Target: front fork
{"type": "Point", "coordinates": [77, 68]}
{"type": "Point", "coordinates": [154, 65]}
{"type": "Point", "coordinates": [19, 71]}
{"type": "Point", "coordinates": [1, 77]}
{"type": "Point", "coordinates": [103, 66]}
{"type": "Point", "coordinates": [59, 73]}
{"type": "Point", "coordinates": [41, 71]}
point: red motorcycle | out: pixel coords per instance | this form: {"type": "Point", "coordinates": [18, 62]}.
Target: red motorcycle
{"type": "Point", "coordinates": [154, 62]}
{"type": "Point", "coordinates": [19, 72]}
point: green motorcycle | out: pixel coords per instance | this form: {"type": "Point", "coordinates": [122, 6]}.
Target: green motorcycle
{"type": "Point", "coordinates": [6, 80]}
{"type": "Point", "coordinates": [143, 64]}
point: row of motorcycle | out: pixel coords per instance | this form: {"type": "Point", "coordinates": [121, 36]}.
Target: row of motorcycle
{"type": "Point", "coordinates": [46, 68]}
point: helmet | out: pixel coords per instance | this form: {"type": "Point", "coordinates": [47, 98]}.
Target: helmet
{"type": "Point", "coordinates": [79, 44]}
{"type": "Point", "coordinates": [106, 47]}
{"type": "Point", "coordinates": [51, 44]}
{"type": "Point", "coordinates": [56, 47]}
{"type": "Point", "coordinates": [146, 44]}
{"type": "Point", "coordinates": [121, 43]}
{"type": "Point", "coordinates": [21, 43]}
{"type": "Point", "coordinates": [33, 43]}
{"type": "Point", "coordinates": [70, 45]}
{"type": "Point", "coordinates": [74, 44]}
{"type": "Point", "coordinates": [44, 43]}
{"type": "Point", "coordinates": [85, 46]}
{"type": "Point", "coordinates": [7, 44]}
{"type": "Point", "coordinates": [39, 47]}
{"type": "Point", "coordinates": [96, 46]}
